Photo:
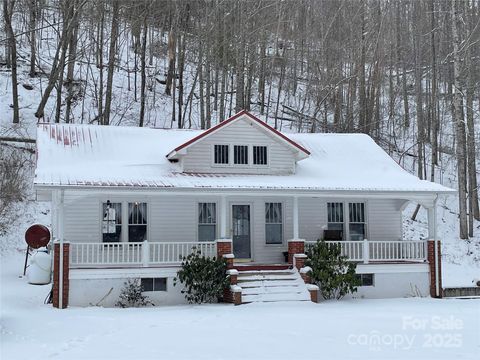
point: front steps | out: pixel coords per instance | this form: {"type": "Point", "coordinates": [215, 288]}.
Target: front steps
{"type": "Point", "coordinates": [272, 285]}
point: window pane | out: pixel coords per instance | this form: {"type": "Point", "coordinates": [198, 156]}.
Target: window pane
{"type": "Point", "coordinates": [147, 284]}
{"type": "Point", "coordinates": [335, 212]}
{"type": "Point", "coordinates": [357, 212]}
{"type": "Point", "coordinates": [273, 233]}
{"type": "Point", "coordinates": [260, 155]}
{"type": "Point", "coordinates": [137, 233]}
{"type": "Point", "coordinates": [206, 232]}
{"type": "Point", "coordinates": [112, 222]}
{"type": "Point", "coordinates": [365, 279]}
{"type": "Point", "coordinates": [137, 213]}
{"type": "Point", "coordinates": [273, 223]}
{"type": "Point", "coordinates": [160, 284]}
{"type": "Point", "coordinates": [240, 154]}
{"type": "Point", "coordinates": [273, 213]}
{"type": "Point", "coordinates": [357, 231]}
{"type": "Point", "coordinates": [137, 222]}
{"type": "Point", "coordinates": [221, 154]}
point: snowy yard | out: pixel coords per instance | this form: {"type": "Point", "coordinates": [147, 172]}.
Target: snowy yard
{"type": "Point", "coordinates": [374, 329]}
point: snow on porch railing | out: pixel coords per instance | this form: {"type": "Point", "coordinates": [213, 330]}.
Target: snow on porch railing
{"type": "Point", "coordinates": [172, 252]}
{"type": "Point", "coordinates": [135, 253]}
{"type": "Point", "coordinates": [384, 251]}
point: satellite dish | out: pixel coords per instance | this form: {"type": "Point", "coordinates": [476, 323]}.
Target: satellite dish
{"type": "Point", "coordinates": [37, 236]}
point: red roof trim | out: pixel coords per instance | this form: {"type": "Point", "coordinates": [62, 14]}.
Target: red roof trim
{"type": "Point", "coordinates": [236, 116]}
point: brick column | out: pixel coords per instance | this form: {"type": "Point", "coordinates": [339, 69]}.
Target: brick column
{"type": "Point", "coordinates": [295, 246]}
{"type": "Point", "coordinates": [431, 263]}
{"type": "Point", "coordinates": [224, 246]}
{"type": "Point", "coordinates": [313, 290]}
{"type": "Point", "coordinates": [228, 294]}
{"type": "Point", "coordinates": [236, 294]}
{"type": "Point", "coordinates": [299, 260]}
{"type": "Point", "coordinates": [304, 274]}
{"type": "Point", "coordinates": [56, 274]}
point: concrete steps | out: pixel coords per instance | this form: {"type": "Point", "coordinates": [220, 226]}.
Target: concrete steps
{"type": "Point", "coordinates": [272, 286]}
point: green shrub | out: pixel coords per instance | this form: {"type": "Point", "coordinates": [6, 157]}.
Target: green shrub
{"type": "Point", "coordinates": [203, 278]}
{"type": "Point", "coordinates": [331, 271]}
{"type": "Point", "coordinates": [131, 295]}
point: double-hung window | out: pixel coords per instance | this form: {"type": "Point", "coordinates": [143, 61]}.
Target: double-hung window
{"type": "Point", "coordinates": [207, 221]}
{"type": "Point", "coordinates": [273, 223]}
{"type": "Point", "coordinates": [260, 155]}
{"type": "Point", "coordinates": [240, 154]}
{"type": "Point", "coordinates": [221, 154]}
{"type": "Point", "coordinates": [112, 222]}
{"type": "Point", "coordinates": [137, 222]}
{"type": "Point", "coordinates": [356, 221]}
{"type": "Point", "coordinates": [355, 228]}
{"type": "Point", "coordinates": [335, 216]}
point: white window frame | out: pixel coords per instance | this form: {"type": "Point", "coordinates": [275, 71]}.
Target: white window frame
{"type": "Point", "coordinates": [124, 202]}
{"type": "Point", "coordinates": [229, 164]}
{"type": "Point", "coordinates": [267, 165]}
{"type": "Point", "coordinates": [281, 244]}
{"type": "Point", "coordinates": [197, 214]}
{"type": "Point", "coordinates": [249, 156]}
{"type": "Point", "coordinates": [231, 154]}
{"type": "Point", "coordinates": [346, 217]}
{"type": "Point", "coordinates": [153, 283]}
{"type": "Point", "coordinates": [353, 222]}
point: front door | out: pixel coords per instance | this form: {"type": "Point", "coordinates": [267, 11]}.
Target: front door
{"type": "Point", "coordinates": [241, 231]}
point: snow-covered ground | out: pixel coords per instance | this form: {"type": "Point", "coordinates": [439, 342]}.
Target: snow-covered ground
{"type": "Point", "coordinates": [415, 328]}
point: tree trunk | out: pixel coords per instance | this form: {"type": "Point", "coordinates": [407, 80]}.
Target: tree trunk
{"type": "Point", "coordinates": [7, 16]}
{"type": "Point", "coordinates": [111, 63]}
{"type": "Point", "coordinates": [143, 71]}
{"type": "Point", "coordinates": [32, 25]}
{"type": "Point", "coordinates": [459, 124]}
{"type": "Point", "coordinates": [171, 61]}
{"type": "Point", "coordinates": [59, 56]}
{"type": "Point", "coordinates": [433, 102]}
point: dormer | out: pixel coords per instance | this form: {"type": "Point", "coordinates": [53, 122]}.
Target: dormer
{"type": "Point", "coordinates": [242, 144]}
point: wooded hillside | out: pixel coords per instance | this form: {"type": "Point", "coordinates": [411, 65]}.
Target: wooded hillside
{"type": "Point", "coordinates": [404, 72]}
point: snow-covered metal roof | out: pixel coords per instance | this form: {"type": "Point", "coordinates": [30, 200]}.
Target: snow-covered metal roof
{"type": "Point", "coordinates": [98, 156]}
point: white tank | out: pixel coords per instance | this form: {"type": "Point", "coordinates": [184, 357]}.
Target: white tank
{"type": "Point", "coordinates": [39, 269]}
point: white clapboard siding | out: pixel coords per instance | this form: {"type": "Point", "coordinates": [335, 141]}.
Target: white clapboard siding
{"type": "Point", "coordinates": [385, 220]}
{"type": "Point", "coordinates": [173, 218]}
{"type": "Point", "coordinates": [243, 132]}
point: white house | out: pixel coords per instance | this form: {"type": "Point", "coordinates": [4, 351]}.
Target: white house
{"type": "Point", "coordinates": [128, 202]}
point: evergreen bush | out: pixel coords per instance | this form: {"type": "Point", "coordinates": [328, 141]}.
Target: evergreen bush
{"type": "Point", "coordinates": [331, 271]}
{"type": "Point", "coordinates": [203, 278]}
{"type": "Point", "coordinates": [131, 295]}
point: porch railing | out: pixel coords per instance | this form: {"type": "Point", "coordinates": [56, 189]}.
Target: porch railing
{"type": "Point", "coordinates": [380, 251]}
{"type": "Point", "coordinates": [136, 253]}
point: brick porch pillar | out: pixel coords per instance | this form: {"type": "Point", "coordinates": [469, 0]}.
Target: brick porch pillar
{"type": "Point", "coordinates": [304, 273]}
{"type": "Point", "coordinates": [225, 250]}
{"type": "Point", "coordinates": [56, 274]}
{"type": "Point", "coordinates": [431, 264]}
{"type": "Point", "coordinates": [299, 260]}
{"type": "Point", "coordinates": [295, 246]}
{"type": "Point", "coordinates": [313, 290]}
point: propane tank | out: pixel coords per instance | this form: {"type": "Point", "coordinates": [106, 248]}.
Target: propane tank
{"type": "Point", "coordinates": [39, 269]}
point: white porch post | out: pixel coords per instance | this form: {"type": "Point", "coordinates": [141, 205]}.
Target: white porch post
{"type": "Point", "coordinates": [431, 223]}
{"type": "Point", "coordinates": [295, 218]}
{"type": "Point", "coordinates": [223, 217]}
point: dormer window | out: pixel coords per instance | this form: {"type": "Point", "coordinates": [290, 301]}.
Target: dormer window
{"type": "Point", "coordinates": [260, 155]}
{"type": "Point", "coordinates": [240, 154]}
{"type": "Point", "coordinates": [221, 154]}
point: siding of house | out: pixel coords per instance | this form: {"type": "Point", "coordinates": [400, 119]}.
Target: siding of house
{"type": "Point", "coordinates": [199, 156]}
{"type": "Point", "coordinates": [174, 218]}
